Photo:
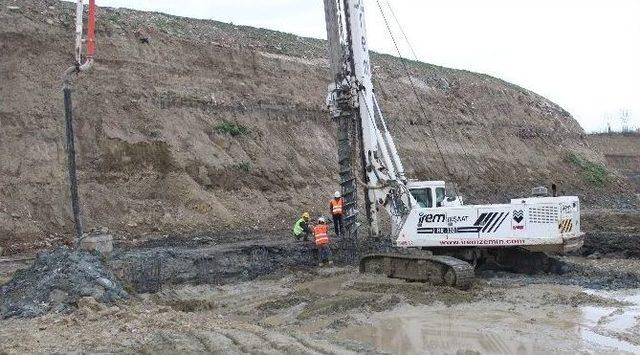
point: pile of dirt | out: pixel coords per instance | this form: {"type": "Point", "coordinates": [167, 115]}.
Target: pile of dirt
{"type": "Point", "coordinates": [207, 126]}
{"type": "Point", "coordinates": [56, 282]}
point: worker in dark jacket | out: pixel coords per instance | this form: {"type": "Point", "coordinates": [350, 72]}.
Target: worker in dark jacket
{"type": "Point", "coordinates": [301, 230]}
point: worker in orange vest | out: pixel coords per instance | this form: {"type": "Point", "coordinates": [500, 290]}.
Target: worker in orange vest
{"type": "Point", "coordinates": [336, 206]}
{"type": "Point", "coordinates": [321, 237]}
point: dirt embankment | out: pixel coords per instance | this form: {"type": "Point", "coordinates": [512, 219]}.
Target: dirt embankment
{"type": "Point", "coordinates": [190, 125]}
{"type": "Point", "coordinates": [613, 233]}
{"type": "Point", "coordinates": [622, 151]}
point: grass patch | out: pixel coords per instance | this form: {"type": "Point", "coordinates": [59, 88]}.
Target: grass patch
{"type": "Point", "coordinates": [243, 166]}
{"type": "Point", "coordinates": [114, 17]}
{"type": "Point", "coordinates": [231, 128]}
{"type": "Point", "coordinates": [594, 173]}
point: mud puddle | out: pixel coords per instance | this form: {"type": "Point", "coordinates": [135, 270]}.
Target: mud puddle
{"type": "Point", "coordinates": [339, 310]}
{"type": "Point", "coordinates": [611, 327]}
{"type": "Point", "coordinates": [531, 319]}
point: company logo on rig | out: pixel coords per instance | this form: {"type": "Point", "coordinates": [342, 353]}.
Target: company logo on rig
{"type": "Point", "coordinates": [487, 222]}
{"type": "Point", "coordinates": [431, 218]}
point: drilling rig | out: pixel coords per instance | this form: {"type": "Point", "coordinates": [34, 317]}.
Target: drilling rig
{"type": "Point", "coordinates": [452, 238]}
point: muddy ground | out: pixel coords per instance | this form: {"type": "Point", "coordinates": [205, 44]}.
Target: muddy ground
{"type": "Point", "coordinates": [294, 307]}
{"type": "Point", "coordinates": [615, 233]}
{"type": "Point", "coordinates": [261, 293]}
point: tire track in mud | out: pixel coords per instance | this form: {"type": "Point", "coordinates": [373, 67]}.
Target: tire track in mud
{"type": "Point", "coordinates": [281, 342]}
{"type": "Point", "coordinates": [320, 349]}
{"type": "Point", "coordinates": [255, 340]}
{"type": "Point", "coordinates": [190, 341]}
{"type": "Point", "coordinates": [217, 342]}
{"type": "Point", "coordinates": [495, 344]}
{"type": "Point", "coordinates": [247, 342]}
{"type": "Point", "coordinates": [244, 339]}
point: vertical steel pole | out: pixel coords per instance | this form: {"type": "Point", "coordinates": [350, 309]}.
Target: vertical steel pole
{"type": "Point", "coordinates": [68, 108]}
{"type": "Point", "coordinates": [71, 163]}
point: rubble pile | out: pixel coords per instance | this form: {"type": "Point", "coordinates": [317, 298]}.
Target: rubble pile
{"type": "Point", "coordinates": [56, 281]}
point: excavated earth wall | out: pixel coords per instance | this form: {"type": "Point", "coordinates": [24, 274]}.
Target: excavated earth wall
{"type": "Point", "coordinates": [622, 151]}
{"type": "Point", "coordinates": [216, 260]}
{"type": "Point", "coordinates": [189, 125]}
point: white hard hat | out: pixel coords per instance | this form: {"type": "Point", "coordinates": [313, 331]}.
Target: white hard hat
{"type": "Point", "coordinates": [322, 220]}
{"type": "Point", "coordinates": [337, 194]}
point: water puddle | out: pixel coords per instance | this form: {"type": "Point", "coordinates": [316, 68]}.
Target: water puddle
{"type": "Point", "coordinates": [609, 326]}
{"type": "Point", "coordinates": [414, 330]}
{"type": "Point", "coordinates": [503, 328]}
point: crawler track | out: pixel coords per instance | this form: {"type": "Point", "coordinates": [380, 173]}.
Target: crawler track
{"type": "Point", "coordinates": [435, 269]}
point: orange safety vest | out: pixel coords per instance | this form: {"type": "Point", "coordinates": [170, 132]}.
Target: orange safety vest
{"type": "Point", "coordinates": [336, 206]}
{"type": "Point", "coordinates": [321, 235]}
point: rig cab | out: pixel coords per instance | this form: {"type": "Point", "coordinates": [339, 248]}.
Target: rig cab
{"type": "Point", "coordinates": [432, 194]}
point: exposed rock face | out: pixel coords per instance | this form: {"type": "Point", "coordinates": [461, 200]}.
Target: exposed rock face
{"type": "Point", "coordinates": [198, 125]}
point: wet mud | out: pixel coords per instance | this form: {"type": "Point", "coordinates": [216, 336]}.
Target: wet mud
{"type": "Point", "coordinates": [217, 260]}
{"type": "Point", "coordinates": [247, 295]}
{"type": "Point", "coordinates": [605, 323]}
{"type": "Point", "coordinates": [338, 310]}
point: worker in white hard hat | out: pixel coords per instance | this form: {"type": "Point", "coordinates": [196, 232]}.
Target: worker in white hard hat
{"type": "Point", "coordinates": [321, 239]}
{"type": "Point", "coordinates": [336, 206]}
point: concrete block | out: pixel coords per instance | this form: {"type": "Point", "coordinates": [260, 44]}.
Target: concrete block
{"type": "Point", "coordinates": [101, 242]}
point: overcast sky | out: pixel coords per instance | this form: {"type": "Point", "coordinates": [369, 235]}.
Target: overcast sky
{"type": "Point", "coordinates": [581, 54]}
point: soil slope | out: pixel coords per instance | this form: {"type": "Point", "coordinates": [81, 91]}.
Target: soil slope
{"type": "Point", "coordinates": [622, 151]}
{"type": "Point", "coordinates": [188, 125]}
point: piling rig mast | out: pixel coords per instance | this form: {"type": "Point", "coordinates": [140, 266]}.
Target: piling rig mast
{"type": "Point", "coordinates": [454, 236]}
{"type": "Point", "coordinates": [362, 132]}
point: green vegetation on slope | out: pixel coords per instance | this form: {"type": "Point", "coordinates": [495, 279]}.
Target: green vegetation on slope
{"type": "Point", "coordinates": [594, 173]}
{"type": "Point", "coordinates": [231, 128]}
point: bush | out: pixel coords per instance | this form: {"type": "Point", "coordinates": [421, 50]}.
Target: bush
{"type": "Point", "coordinates": [231, 128]}
{"type": "Point", "coordinates": [244, 166]}
{"type": "Point", "coordinates": [595, 173]}
{"type": "Point", "coordinates": [114, 17]}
